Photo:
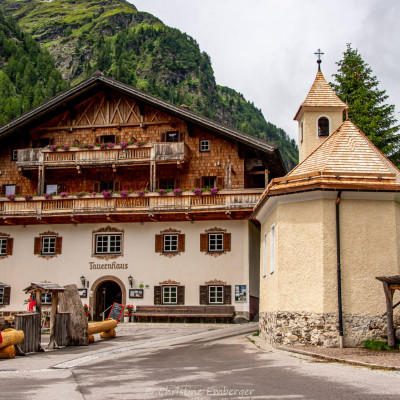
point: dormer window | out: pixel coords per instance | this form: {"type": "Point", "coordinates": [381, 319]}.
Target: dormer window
{"type": "Point", "coordinates": [323, 127]}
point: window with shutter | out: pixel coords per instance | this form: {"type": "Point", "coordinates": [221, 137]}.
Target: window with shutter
{"type": "Point", "coordinates": [227, 294]}
{"type": "Point", "coordinates": [159, 244]}
{"type": "Point", "coordinates": [17, 190]}
{"type": "Point", "coordinates": [6, 295]}
{"type": "Point", "coordinates": [157, 295]}
{"type": "Point", "coordinates": [181, 243]}
{"type": "Point", "coordinates": [8, 189]}
{"type": "Point", "coordinates": [58, 247]}
{"type": "Point", "coordinates": [204, 242]}
{"type": "Point", "coordinates": [10, 245]}
{"type": "Point", "coordinates": [216, 294]}
{"type": "Point", "coordinates": [38, 245]}
{"type": "Point", "coordinates": [181, 295]}
{"type": "Point", "coordinates": [170, 294]}
{"type": "Point", "coordinates": [3, 246]}
{"type": "Point", "coordinates": [209, 181]}
{"type": "Point", "coordinates": [163, 137]}
{"type": "Point", "coordinates": [203, 295]}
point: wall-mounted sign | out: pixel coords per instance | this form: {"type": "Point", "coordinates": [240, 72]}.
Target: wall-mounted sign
{"type": "Point", "coordinates": [240, 293]}
{"type": "Point", "coordinates": [82, 293]}
{"type": "Point", "coordinates": [136, 293]}
{"type": "Point", "coordinates": [113, 265]}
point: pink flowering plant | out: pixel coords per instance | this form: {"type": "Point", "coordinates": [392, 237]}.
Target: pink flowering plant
{"type": "Point", "coordinates": [65, 147]}
{"type": "Point", "coordinates": [178, 192]}
{"type": "Point", "coordinates": [48, 196]}
{"type": "Point", "coordinates": [214, 191]}
{"type": "Point", "coordinates": [161, 192]}
{"type": "Point", "coordinates": [197, 191]}
{"type": "Point", "coordinates": [81, 194]}
{"type": "Point", "coordinates": [107, 194]}
{"type": "Point", "coordinates": [124, 194]}
{"type": "Point", "coordinates": [11, 197]}
{"type": "Point", "coordinates": [141, 193]}
{"type": "Point", "coordinates": [28, 197]}
{"type": "Point", "coordinates": [64, 194]}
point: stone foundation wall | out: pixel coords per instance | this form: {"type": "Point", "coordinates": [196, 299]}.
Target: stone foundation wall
{"type": "Point", "coordinates": [312, 329]}
{"type": "Point", "coordinates": [241, 317]}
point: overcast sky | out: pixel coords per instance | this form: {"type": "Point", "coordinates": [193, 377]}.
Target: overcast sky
{"type": "Point", "coordinates": [265, 48]}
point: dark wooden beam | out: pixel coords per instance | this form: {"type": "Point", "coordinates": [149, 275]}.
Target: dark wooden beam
{"type": "Point", "coordinates": [389, 314]}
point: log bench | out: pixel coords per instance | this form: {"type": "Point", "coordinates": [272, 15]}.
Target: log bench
{"type": "Point", "coordinates": [163, 311]}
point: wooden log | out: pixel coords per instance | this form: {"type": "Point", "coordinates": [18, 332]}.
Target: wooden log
{"type": "Point", "coordinates": [108, 334]}
{"type": "Point", "coordinates": [71, 302]}
{"type": "Point", "coordinates": [54, 303]}
{"type": "Point", "coordinates": [7, 352]}
{"type": "Point", "coordinates": [11, 337]}
{"type": "Point", "coordinates": [389, 314]}
{"type": "Point", "coordinates": [91, 339]}
{"type": "Point", "coordinates": [98, 327]}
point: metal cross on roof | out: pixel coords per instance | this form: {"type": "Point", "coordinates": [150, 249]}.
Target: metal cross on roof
{"type": "Point", "coordinates": [319, 53]}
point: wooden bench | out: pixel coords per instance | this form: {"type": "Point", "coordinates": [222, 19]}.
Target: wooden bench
{"type": "Point", "coordinates": [167, 312]}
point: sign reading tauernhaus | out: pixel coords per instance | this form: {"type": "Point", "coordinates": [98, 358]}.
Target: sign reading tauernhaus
{"type": "Point", "coordinates": [112, 265]}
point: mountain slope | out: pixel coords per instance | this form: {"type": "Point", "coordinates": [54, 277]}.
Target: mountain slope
{"type": "Point", "coordinates": [137, 48]}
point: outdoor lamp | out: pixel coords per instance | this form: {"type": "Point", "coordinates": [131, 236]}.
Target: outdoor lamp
{"type": "Point", "coordinates": [130, 279]}
{"type": "Point", "coordinates": [83, 280]}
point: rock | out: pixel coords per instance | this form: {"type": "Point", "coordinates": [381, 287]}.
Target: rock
{"type": "Point", "coordinates": [398, 335]}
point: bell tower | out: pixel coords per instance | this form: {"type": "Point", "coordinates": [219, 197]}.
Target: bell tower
{"type": "Point", "coordinates": [320, 114]}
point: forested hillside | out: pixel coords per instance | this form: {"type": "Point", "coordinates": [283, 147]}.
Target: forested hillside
{"type": "Point", "coordinates": [138, 49]}
{"type": "Point", "coordinates": [27, 73]}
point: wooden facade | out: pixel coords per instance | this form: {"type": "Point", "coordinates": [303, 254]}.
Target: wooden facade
{"type": "Point", "coordinates": [105, 153]}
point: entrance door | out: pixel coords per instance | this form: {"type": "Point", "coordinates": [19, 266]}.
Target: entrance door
{"type": "Point", "coordinates": [107, 293]}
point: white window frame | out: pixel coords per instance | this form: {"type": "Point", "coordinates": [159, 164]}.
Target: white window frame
{"type": "Point", "coordinates": [265, 255]}
{"type": "Point", "coordinates": [219, 247]}
{"type": "Point", "coordinates": [14, 155]}
{"type": "Point", "coordinates": [218, 294]}
{"type": "Point", "coordinates": [3, 246]}
{"type": "Point", "coordinates": [108, 244]}
{"type": "Point", "coordinates": [1, 295]}
{"type": "Point", "coordinates": [170, 243]}
{"type": "Point", "coordinates": [49, 186]}
{"type": "Point", "coordinates": [46, 297]}
{"type": "Point", "coordinates": [272, 249]}
{"type": "Point", "coordinates": [46, 245]}
{"type": "Point", "coordinates": [9, 189]}
{"type": "Point", "coordinates": [167, 294]}
{"type": "Point", "coordinates": [316, 126]}
{"type": "Point", "coordinates": [204, 145]}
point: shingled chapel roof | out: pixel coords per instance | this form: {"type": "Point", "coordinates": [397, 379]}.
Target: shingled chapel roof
{"type": "Point", "coordinates": [321, 95]}
{"type": "Point", "coordinates": [346, 160]}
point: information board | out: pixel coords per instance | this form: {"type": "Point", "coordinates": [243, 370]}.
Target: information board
{"type": "Point", "coordinates": [116, 311]}
{"type": "Point", "coordinates": [240, 293]}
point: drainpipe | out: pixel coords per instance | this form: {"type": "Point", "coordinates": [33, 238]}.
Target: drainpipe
{"type": "Point", "coordinates": [339, 272]}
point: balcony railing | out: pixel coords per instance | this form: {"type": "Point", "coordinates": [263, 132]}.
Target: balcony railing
{"type": "Point", "coordinates": [236, 199]}
{"type": "Point", "coordinates": [132, 154]}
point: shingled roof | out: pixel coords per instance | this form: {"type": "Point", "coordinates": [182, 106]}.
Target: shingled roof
{"type": "Point", "coordinates": [347, 160]}
{"type": "Point", "coordinates": [99, 81]}
{"type": "Point", "coordinates": [321, 95]}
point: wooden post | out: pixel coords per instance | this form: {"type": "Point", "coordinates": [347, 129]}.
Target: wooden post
{"type": "Point", "coordinates": [54, 303]}
{"type": "Point", "coordinates": [389, 313]}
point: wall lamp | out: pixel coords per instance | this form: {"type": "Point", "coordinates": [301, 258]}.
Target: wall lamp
{"type": "Point", "coordinates": [130, 279]}
{"type": "Point", "coordinates": [83, 280]}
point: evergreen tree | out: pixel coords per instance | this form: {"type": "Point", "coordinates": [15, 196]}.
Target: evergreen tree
{"type": "Point", "coordinates": [358, 87]}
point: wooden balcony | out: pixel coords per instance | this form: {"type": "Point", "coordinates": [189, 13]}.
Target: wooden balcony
{"type": "Point", "coordinates": [116, 156]}
{"type": "Point", "coordinates": [150, 207]}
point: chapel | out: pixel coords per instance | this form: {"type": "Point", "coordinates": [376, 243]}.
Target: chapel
{"type": "Point", "coordinates": [328, 229]}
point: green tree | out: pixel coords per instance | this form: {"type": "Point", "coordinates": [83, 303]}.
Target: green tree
{"type": "Point", "coordinates": [356, 85]}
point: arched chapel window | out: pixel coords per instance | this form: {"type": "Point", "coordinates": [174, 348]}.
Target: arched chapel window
{"type": "Point", "coordinates": [323, 127]}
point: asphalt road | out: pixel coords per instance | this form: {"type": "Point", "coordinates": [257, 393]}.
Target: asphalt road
{"type": "Point", "coordinates": [186, 361]}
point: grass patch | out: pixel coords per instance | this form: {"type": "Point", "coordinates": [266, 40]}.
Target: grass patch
{"type": "Point", "coordinates": [376, 345]}
{"type": "Point", "coordinates": [256, 333]}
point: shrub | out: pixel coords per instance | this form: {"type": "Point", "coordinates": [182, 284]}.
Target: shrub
{"type": "Point", "coordinates": [376, 345]}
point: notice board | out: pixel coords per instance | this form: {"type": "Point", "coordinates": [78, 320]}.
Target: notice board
{"type": "Point", "coordinates": [116, 311]}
